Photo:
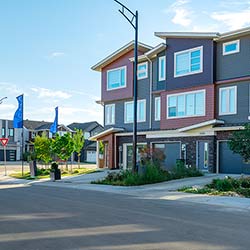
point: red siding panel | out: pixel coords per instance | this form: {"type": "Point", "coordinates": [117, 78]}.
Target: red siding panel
{"type": "Point", "coordinates": [188, 121]}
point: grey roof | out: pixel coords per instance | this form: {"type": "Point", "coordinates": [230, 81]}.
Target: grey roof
{"type": "Point", "coordinates": [33, 125]}
{"type": "Point", "coordinates": [87, 126]}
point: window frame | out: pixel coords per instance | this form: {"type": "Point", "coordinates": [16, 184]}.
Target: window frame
{"type": "Point", "coordinates": [189, 51]}
{"type": "Point", "coordinates": [185, 94]}
{"type": "Point", "coordinates": [157, 99]}
{"type": "Point", "coordinates": [125, 78]}
{"type": "Point", "coordinates": [142, 71]}
{"type": "Point", "coordinates": [107, 120]}
{"type": "Point", "coordinates": [228, 100]}
{"type": "Point", "coordinates": [224, 53]}
{"type": "Point", "coordinates": [132, 102]}
{"type": "Point", "coordinates": [161, 58]}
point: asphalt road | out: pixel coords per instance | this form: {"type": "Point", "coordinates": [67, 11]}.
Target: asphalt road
{"type": "Point", "coordinates": [39, 218]}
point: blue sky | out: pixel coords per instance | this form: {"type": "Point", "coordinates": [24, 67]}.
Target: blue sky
{"type": "Point", "coordinates": [48, 46]}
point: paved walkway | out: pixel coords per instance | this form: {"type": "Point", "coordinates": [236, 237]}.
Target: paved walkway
{"type": "Point", "coordinates": [163, 191]}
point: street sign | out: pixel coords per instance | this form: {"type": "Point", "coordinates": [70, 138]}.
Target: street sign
{"type": "Point", "coordinates": [4, 141]}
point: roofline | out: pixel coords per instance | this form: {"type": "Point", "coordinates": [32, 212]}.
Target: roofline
{"type": "Point", "coordinates": [109, 58]}
{"type": "Point", "coordinates": [233, 33]}
{"type": "Point", "coordinates": [196, 35]}
{"type": "Point", "coordinates": [105, 132]}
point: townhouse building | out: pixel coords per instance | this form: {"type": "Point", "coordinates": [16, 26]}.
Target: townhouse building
{"type": "Point", "coordinates": [193, 91]}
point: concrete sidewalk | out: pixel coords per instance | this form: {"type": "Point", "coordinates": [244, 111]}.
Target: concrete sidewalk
{"type": "Point", "coordinates": [161, 191]}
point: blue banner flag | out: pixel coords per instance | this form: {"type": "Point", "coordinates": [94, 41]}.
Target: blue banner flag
{"type": "Point", "coordinates": [53, 128]}
{"type": "Point", "coordinates": [18, 116]}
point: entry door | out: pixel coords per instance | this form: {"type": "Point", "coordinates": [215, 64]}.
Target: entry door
{"type": "Point", "coordinates": [203, 152]}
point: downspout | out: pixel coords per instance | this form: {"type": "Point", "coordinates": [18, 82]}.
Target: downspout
{"type": "Point", "coordinates": [150, 91]}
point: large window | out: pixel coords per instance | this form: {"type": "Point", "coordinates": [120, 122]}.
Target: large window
{"type": "Point", "coordinates": [186, 104]}
{"type": "Point", "coordinates": [116, 78]}
{"type": "Point", "coordinates": [109, 114]}
{"type": "Point", "coordinates": [228, 100]}
{"type": "Point", "coordinates": [11, 132]}
{"type": "Point", "coordinates": [157, 108]}
{"type": "Point", "coordinates": [142, 70]}
{"type": "Point", "coordinates": [231, 47]}
{"type": "Point", "coordinates": [162, 68]}
{"type": "Point", "coordinates": [188, 62]}
{"type": "Point", "coordinates": [129, 111]}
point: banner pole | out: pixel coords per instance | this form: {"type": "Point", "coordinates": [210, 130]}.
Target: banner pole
{"type": "Point", "coordinates": [5, 160]}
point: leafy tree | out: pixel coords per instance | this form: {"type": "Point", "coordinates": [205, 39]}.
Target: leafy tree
{"type": "Point", "coordinates": [240, 142]}
{"type": "Point", "coordinates": [42, 147]}
{"type": "Point", "coordinates": [78, 144]}
{"type": "Point", "coordinates": [63, 147]}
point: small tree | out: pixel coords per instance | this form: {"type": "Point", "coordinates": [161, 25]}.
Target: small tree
{"type": "Point", "coordinates": [63, 147]}
{"type": "Point", "coordinates": [42, 147]}
{"type": "Point", "coordinates": [78, 140]}
{"type": "Point", "coordinates": [239, 142]}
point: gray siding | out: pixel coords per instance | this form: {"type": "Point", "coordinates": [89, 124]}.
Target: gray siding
{"type": "Point", "coordinates": [233, 65]}
{"type": "Point", "coordinates": [205, 77]}
{"type": "Point", "coordinates": [242, 104]}
{"type": "Point", "coordinates": [143, 93]}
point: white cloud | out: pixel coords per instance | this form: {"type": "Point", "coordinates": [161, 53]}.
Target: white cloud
{"type": "Point", "coordinates": [50, 93]}
{"type": "Point", "coordinates": [56, 54]}
{"type": "Point", "coordinates": [181, 12]}
{"type": "Point", "coordinates": [10, 88]}
{"type": "Point", "coordinates": [233, 20]}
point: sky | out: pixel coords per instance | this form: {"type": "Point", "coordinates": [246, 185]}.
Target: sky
{"type": "Point", "coordinates": [47, 47]}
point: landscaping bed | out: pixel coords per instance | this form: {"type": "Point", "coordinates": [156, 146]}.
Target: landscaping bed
{"type": "Point", "coordinates": [150, 174]}
{"type": "Point", "coordinates": [225, 187]}
{"type": "Point", "coordinates": [45, 173]}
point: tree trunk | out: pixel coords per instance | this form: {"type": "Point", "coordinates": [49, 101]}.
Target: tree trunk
{"type": "Point", "coordinates": [79, 156]}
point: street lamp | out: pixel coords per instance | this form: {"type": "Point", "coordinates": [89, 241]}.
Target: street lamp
{"type": "Point", "coordinates": [133, 20]}
{"type": "Point", "coordinates": [1, 100]}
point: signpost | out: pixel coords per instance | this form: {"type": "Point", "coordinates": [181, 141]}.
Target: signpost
{"type": "Point", "coordinates": [4, 142]}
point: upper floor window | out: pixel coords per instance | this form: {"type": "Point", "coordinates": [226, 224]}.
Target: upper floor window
{"type": "Point", "coordinates": [86, 135]}
{"type": "Point", "coordinates": [227, 100]}
{"type": "Point", "coordinates": [162, 68]}
{"type": "Point", "coordinates": [3, 132]}
{"type": "Point", "coordinates": [188, 62]}
{"type": "Point", "coordinates": [142, 70]}
{"type": "Point", "coordinates": [116, 78]}
{"type": "Point", "coordinates": [186, 104]}
{"type": "Point", "coordinates": [11, 132]}
{"type": "Point", "coordinates": [110, 114]}
{"type": "Point", "coordinates": [129, 111]}
{"type": "Point", "coordinates": [157, 108]}
{"type": "Point", "coordinates": [231, 47]}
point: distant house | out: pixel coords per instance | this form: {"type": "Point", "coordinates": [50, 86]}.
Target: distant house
{"type": "Point", "coordinates": [89, 129]}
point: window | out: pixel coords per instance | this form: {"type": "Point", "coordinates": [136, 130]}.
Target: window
{"type": "Point", "coordinates": [188, 62]}
{"type": "Point", "coordinates": [186, 104]}
{"type": "Point", "coordinates": [162, 68]}
{"type": "Point", "coordinates": [228, 100]}
{"type": "Point", "coordinates": [157, 108]}
{"type": "Point", "coordinates": [11, 132]}
{"type": "Point", "coordinates": [110, 114]}
{"type": "Point", "coordinates": [231, 47]}
{"type": "Point", "coordinates": [142, 70]}
{"type": "Point", "coordinates": [3, 132]}
{"type": "Point", "coordinates": [116, 78]}
{"type": "Point", "coordinates": [129, 111]}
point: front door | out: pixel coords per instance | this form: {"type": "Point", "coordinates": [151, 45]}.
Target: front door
{"type": "Point", "coordinates": [202, 155]}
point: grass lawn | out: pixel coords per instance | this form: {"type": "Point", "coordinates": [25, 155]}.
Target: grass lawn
{"type": "Point", "coordinates": [224, 187]}
{"type": "Point", "coordinates": [45, 173]}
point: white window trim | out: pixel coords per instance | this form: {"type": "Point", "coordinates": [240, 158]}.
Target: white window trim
{"type": "Point", "coordinates": [162, 58]}
{"type": "Point", "coordinates": [186, 93]}
{"type": "Point", "coordinates": [185, 51]}
{"type": "Point", "coordinates": [106, 122]}
{"type": "Point", "coordinates": [157, 99]}
{"type": "Point", "coordinates": [235, 97]}
{"type": "Point", "coordinates": [142, 71]}
{"type": "Point", "coordinates": [125, 75]}
{"type": "Point", "coordinates": [224, 53]}
{"type": "Point", "coordinates": [125, 113]}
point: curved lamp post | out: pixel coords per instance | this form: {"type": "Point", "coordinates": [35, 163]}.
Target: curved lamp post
{"type": "Point", "coordinates": [1, 100]}
{"type": "Point", "coordinates": [133, 20]}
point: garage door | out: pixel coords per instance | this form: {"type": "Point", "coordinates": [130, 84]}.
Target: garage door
{"type": "Point", "coordinates": [171, 152]}
{"type": "Point", "coordinates": [91, 156]}
{"type": "Point", "coordinates": [231, 163]}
